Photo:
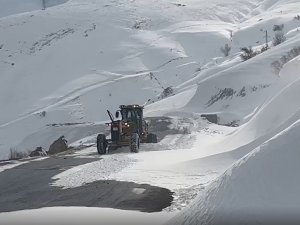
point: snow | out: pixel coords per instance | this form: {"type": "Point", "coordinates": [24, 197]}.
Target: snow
{"type": "Point", "coordinates": [5, 165]}
{"type": "Point", "coordinates": [156, 164]}
{"type": "Point", "coordinates": [63, 67]}
{"type": "Point", "coordinates": [74, 133]}
{"type": "Point", "coordinates": [81, 215]}
{"type": "Point", "coordinates": [11, 7]}
{"type": "Point", "coordinates": [115, 57]}
{"type": "Point", "coordinates": [72, 87]}
{"type": "Point", "coordinates": [170, 104]}
{"type": "Point", "coordinates": [261, 188]}
{"type": "Point", "coordinates": [88, 173]}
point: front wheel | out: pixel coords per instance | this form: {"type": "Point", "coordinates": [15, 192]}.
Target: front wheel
{"type": "Point", "coordinates": [134, 143]}
{"type": "Point", "coordinates": [101, 144]}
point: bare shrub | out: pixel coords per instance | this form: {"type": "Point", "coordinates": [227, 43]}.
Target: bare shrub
{"type": "Point", "coordinates": [140, 24]}
{"type": "Point", "coordinates": [226, 50]}
{"type": "Point", "coordinates": [153, 77]}
{"type": "Point", "coordinates": [278, 27]}
{"type": "Point", "coordinates": [279, 36]}
{"type": "Point", "coordinates": [167, 92]}
{"type": "Point", "coordinates": [264, 48]}
{"type": "Point", "coordinates": [248, 53]}
{"type": "Point", "coordinates": [15, 155]}
{"type": "Point", "coordinates": [278, 64]}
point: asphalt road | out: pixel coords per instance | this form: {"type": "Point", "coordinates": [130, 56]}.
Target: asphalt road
{"type": "Point", "coordinates": [28, 187]}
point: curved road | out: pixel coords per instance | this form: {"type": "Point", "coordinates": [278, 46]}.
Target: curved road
{"type": "Point", "coordinates": [28, 187]}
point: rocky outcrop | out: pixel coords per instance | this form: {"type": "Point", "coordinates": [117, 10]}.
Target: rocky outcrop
{"type": "Point", "coordinates": [213, 118]}
{"type": "Point", "coordinates": [38, 152]}
{"type": "Point", "coordinates": [60, 145]}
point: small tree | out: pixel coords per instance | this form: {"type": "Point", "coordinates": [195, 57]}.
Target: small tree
{"type": "Point", "coordinates": [278, 27]}
{"type": "Point", "coordinates": [278, 64]}
{"type": "Point", "coordinates": [167, 92]}
{"type": "Point", "coordinates": [15, 155]}
{"type": "Point", "coordinates": [248, 53]}
{"type": "Point", "coordinates": [226, 50]}
{"type": "Point", "coordinates": [264, 48]}
{"type": "Point", "coordinates": [279, 36]}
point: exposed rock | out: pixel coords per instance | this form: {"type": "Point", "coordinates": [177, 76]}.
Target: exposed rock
{"type": "Point", "coordinates": [38, 152]}
{"type": "Point", "coordinates": [60, 145]}
{"type": "Point", "coordinates": [213, 118]}
{"type": "Point", "coordinates": [234, 123]}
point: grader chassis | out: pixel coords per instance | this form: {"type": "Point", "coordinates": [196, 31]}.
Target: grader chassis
{"type": "Point", "coordinates": [128, 129]}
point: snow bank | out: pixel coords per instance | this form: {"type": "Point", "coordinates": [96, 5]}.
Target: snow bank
{"type": "Point", "coordinates": [279, 112]}
{"type": "Point", "coordinates": [94, 171]}
{"type": "Point", "coordinates": [5, 165]}
{"type": "Point", "coordinates": [81, 215]}
{"type": "Point", "coordinates": [262, 188]}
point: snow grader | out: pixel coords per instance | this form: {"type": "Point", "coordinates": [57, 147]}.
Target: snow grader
{"type": "Point", "coordinates": [128, 128]}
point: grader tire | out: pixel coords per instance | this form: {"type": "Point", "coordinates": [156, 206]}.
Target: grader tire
{"type": "Point", "coordinates": [101, 144]}
{"type": "Point", "coordinates": [134, 143]}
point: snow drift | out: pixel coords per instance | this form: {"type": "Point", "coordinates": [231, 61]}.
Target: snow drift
{"type": "Point", "coordinates": [261, 188]}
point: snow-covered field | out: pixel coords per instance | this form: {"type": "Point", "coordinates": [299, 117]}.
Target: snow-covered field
{"type": "Point", "coordinates": [69, 63]}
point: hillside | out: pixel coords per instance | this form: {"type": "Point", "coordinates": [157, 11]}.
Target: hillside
{"type": "Point", "coordinates": [78, 63]}
{"type": "Point", "coordinates": [63, 67]}
{"type": "Point", "coordinates": [261, 188]}
{"type": "Point", "coordinates": [12, 7]}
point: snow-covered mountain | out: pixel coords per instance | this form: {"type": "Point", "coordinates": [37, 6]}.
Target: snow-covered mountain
{"type": "Point", "coordinates": [71, 62]}
{"type": "Point", "coordinates": [11, 7]}
{"type": "Point", "coordinates": [70, 67]}
{"type": "Point", "coordinates": [261, 187]}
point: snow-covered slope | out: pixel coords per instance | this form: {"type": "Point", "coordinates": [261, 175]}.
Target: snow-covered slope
{"type": "Point", "coordinates": [261, 188]}
{"type": "Point", "coordinates": [11, 7]}
{"type": "Point", "coordinates": [71, 67]}
{"type": "Point", "coordinates": [69, 63]}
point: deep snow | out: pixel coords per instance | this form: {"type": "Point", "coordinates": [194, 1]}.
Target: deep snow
{"type": "Point", "coordinates": [94, 55]}
{"type": "Point", "coordinates": [261, 188]}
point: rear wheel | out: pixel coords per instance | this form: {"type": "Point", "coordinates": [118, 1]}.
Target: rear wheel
{"type": "Point", "coordinates": [151, 138]}
{"type": "Point", "coordinates": [134, 143]}
{"type": "Point", "coordinates": [101, 144]}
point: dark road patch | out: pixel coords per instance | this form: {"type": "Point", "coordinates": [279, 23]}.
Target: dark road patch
{"type": "Point", "coordinates": [28, 187]}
